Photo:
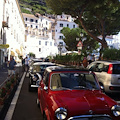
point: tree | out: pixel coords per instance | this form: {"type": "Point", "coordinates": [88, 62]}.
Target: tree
{"type": "Point", "coordinates": [70, 39]}
{"type": "Point", "coordinates": [97, 17]}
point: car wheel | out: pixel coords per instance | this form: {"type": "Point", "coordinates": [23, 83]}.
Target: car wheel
{"type": "Point", "coordinates": [44, 117]}
{"type": "Point", "coordinates": [38, 103]}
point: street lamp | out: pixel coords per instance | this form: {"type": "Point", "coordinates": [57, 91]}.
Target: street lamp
{"type": "Point", "coordinates": [60, 46]}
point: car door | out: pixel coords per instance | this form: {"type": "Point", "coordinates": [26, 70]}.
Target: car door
{"type": "Point", "coordinates": [97, 67]}
{"type": "Point", "coordinates": [44, 91]}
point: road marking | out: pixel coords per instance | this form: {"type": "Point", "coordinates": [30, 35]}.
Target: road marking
{"type": "Point", "coordinates": [14, 101]}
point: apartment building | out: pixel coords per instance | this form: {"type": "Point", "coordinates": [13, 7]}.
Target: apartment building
{"type": "Point", "coordinates": [63, 21]}
{"type": "Point", "coordinates": [12, 30]}
{"type": "Point", "coordinates": [39, 36]}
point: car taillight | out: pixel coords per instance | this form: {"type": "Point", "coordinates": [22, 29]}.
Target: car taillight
{"type": "Point", "coordinates": [110, 69]}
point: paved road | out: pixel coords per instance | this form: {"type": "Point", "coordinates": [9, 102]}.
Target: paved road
{"type": "Point", "coordinates": [26, 107]}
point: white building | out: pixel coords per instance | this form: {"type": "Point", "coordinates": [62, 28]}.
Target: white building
{"type": "Point", "coordinates": [63, 21]}
{"type": "Point", "coordinates": [12, 30]}
{"type": "Point", "coordinates": [39, 36]}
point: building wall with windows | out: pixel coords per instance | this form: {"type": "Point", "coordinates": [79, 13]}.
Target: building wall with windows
{"type": "Point", "coordinates": [12, 30]}
{"type": "Point", "coordinates": [63, 21]}
{"type": "Point", "coordinates": [39, 40]}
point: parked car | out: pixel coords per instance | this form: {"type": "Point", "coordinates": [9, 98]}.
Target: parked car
{"type": "Point", "coordinates": [31, 61]}
{"type": "Point", "coordinates": [108, 74]}
{"type": "Point", "coordinates": [36, 70]}
{"type": "Point", "coordinates": [72, 94]}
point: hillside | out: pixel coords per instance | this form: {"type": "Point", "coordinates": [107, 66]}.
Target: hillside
{"type": "Point", "coordinates": [34, 6]}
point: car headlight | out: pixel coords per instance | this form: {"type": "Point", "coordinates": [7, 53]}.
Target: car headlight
{"type": "Point", "coordinates": [61, 113]}
{"type": "Point", "coordinates": [116, 110]}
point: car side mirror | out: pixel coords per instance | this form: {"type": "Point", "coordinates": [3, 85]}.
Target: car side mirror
{"type": "Point", "coordinates": [39, 75]}
{"type": "Point", "coordinates": [45, 88]}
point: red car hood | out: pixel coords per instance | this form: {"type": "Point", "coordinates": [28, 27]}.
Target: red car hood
{"type": "Point", "coordinates": [82, 102]}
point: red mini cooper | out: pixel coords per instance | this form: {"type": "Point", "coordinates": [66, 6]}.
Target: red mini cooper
{"type": "Point", "coordinates": [74, 94]}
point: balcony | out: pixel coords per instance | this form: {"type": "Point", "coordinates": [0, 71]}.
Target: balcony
{"type": "Point", "coordinates": [4, 24]}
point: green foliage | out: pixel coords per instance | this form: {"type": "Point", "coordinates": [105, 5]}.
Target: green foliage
{"type": "Point", "coordinates": [111, 54]}
{"type": "Point", "coordinates": [25, 11]}
{"type": "Point", "coordinates": [36, 6]}
{"type": "Point", "coordinates": [8, 84]}
{"type": "Point", "coordinates": [96, 17]}
{"type": "Point", "coordinates": [70, 39]}
{"type": "Point", "coordinates": [32, 54]}
{"type": "Point", "coordinates": [68, 58]}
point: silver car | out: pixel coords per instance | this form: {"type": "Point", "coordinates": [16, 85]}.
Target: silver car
{"type": "Point", "coordinates": [108, 74]}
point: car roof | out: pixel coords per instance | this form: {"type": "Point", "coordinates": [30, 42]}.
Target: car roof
{"type": "Point", "coordinates": [108, 61]}
{"type": "Point", "coordinates": [60, 69]}
{"type": "Point", "coordinates": [43, 63]}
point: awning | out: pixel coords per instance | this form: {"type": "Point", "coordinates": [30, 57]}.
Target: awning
{"type": "Point", "coordinates": [2, 46]}
{"type": "Point", "coordinates": [17, 51]}
{"type": "Point", "coordinates": [12, 53]}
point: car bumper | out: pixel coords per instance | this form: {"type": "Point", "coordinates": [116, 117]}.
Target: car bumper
{"type": "Point", "coordinates": [112, 88]}
{"type": "Point", "coordinates": [91, 117]}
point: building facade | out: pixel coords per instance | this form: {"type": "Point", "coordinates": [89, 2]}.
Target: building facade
{"type": "Point", "coordinates": [63, 21]}
{"type": "Point", "coordinates": [39, 36]}
{"type": "Point", "coordinates": [12, 31]}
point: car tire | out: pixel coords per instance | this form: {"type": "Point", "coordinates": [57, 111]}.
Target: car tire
{"type": "Point", "coordinates": [44, 117]}
{"type": "Point", "coordinates": [38, 103]}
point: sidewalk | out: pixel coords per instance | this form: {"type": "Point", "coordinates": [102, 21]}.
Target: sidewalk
{"type": "Point", "coordinates": [3, 74]}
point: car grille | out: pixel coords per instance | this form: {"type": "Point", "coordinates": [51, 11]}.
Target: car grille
{"type": "Point", "coordinates": [91, 117]}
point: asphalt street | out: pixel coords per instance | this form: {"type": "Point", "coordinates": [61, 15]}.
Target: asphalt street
{"type": "Point", "coordinates": [23, 106]}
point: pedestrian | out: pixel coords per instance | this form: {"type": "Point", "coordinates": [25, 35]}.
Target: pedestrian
{"type": "Point", "coordinates": [89, 58]}
{"type": "Point", "coordinates": [26, 63]}
{"type": "Point", "coordinates": [11, 66]}
{"type": "Point", "coordinates": [85, 62]}
{"type": "Point", "coordinates": [23, 64]}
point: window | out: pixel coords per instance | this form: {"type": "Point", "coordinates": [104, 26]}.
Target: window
{"type": "Point", "coordinates": [73, 26]}
{"type": "Point", "coordinates": [61, 25]}
{"type": "Point", "coordinates": [25, 25]}
{"type": "Point", "coordinates": [31, 20]}
{"type": "Point", "coordinates": [60, 37]}
{"type": "Point", "coordinates": [45, 43]}
{"type": "Point", "coordinates": [39, 42]}
{"type": "Point", "coordinates": [39, 49]}
{"type": "Point", "coordinates": [26, 19]}
{"type": "Point", "coordinates": [50, 43]}
{"type": "Point", "coordinates": [46, 23]}
{"type": "Point", "coordinates": [36, 21]}
{"type": "Point", "coordinates": [36, 26]}
{"type": "Point", "coordinates": [61, 43]}
{"type": "Point", "coordinates": [67, 25]}
{"type": "Point", "coordinates": [31, 26]}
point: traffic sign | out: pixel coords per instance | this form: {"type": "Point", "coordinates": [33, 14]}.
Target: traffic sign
{"type": "Point", "coordinates": [79, 44]}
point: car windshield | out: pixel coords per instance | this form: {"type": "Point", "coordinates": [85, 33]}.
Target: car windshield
{"type": "Point", "coordinates": [70, 81]}
{"type": "Point", "coordinates": [40, 68]}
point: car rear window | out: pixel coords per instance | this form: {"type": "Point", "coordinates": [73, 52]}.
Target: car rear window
{"type": "Point", "coordinates": [116, 68]}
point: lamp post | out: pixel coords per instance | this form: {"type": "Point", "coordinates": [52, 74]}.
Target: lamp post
{"type": "Point", "coordinates": [60, 46]}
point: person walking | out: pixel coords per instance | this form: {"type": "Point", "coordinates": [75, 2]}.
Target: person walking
{"type": "Point", "coordinates": [85, 62]}
{"type": "Point", "coordinates": [89, 58]}
{"type": "Point", "coordinates": [11, 66]}
{"type": "Point", "coordinates": [26, 64]}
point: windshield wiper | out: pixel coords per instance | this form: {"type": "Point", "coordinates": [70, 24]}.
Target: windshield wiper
{"type": "Point", "coordinates": [80, 87]}
{"type": "Point", "coordinates": [64, 88]}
